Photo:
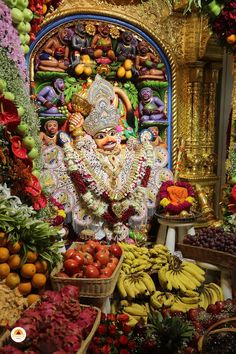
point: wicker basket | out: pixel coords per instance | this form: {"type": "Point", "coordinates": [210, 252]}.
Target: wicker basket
{"type": "Point", "coordinates": [201, 254]}
{"type": "Point", "coordinates": [85, 343]}
{"type": "Point", "coordinates": [89, 287]}
{"type": "Point", "coordinates": [213, 330]}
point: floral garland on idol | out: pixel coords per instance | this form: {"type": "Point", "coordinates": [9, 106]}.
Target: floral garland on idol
{"type": "Point", "coordinates": [176, 197]}
{"type": "Point", "coordinates": [115, 207]}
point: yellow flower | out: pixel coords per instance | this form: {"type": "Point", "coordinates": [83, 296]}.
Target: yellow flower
{"type": "Point", "coordinates": [62, 213]}
{"type": "Point", "coordinates": [114, 32]}
{"type": "Point", "coordinates": [164, 202]}
{"type": "Point", "coordinates": [190, 199]}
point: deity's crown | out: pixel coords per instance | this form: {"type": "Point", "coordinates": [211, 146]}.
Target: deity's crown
{"type": "Point", "coordinates": [104, 114]}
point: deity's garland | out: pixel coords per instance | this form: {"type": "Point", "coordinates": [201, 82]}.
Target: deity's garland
{"type": "Point", "coordinates": [113, 206]}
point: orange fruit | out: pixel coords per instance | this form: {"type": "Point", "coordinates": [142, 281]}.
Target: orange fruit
{"type": "Point", "coordinates": [41, 266]}
{"type": "Point", "coordinates": [25, 288]}
{"type": "Point", "coordinates": [4, 270]}
{"type": "Point", "coordinates": [31, 256]}
{"type": "Point", "coordinates": [4, 254]}
{"type": "Point", "coordinates": [28, 270]}
{"type": "Point", "coordinates": [31, 298]}
{"type": "Point", "coordinates": [14, 261]}
{"type": "Point", "coordinates": [88, 70]}
{"type": "Point", "coordinates": [3, 239]}
{"type": "Point", "coordinates": [12, 280]}
{"type": "Point", "coordinates": [38, 280]}
{"type": "Point", "coordinates": [14, 247]}
{"type": "Point", "coordinates": [231, 39]}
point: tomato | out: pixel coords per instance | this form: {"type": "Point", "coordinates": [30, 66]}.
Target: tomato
{"type": "Point", "coordinates": [62, 275]}
{"type": "Point", "coordinates": [97, 264]}
{"type": "Point", "coordinates": [106, 272]}
{"type": "Point", "coordinates": [100, 247]}
{"type": "Point", "coordinates": [88, 249]}
{"type": "Point", "coordinates": [79, 257]}
{"type": "Point", "coordinates": [69, 253]}
{"type": "Point", "coordinates": [115, 250]}
{"type": "Point", "coordinates": [91, 272]}
{"type": "Point", "coordinates": [102, 257]}
{"type": "Point", "coordinates": [88, 258]}
{"type": "Point", "coordinates": [114, 260]}
{"type": "Point", "coordinates": [92, 243]}
{"type": "Point", "coordinates": [80, 274]}
{"type": "Point", "coordinates": [71, 266]}
{"type": "Point", "coordinates": [111, 266]}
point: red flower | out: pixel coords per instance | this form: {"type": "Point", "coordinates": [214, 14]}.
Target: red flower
{"type": "Point", "coordinates": [127, 329]}
{"type": "Point", "coordinates": [112, 329]}
{"type": "Point", "coordinates": [122, 317]}
{"type": "Point", "coordinates": [124, 351]}
{"type": "Point", "coordinates": [40, 202]}
{"type": "Point", "coordinates": [17, 148]}
{"type": "Point", "coordinates": [106, 349]}
{"type": "Point", "coordinates": [233, 193]}
{"type": "Point", "coordinates": [123, 339]}
{"type": "Point", "coordinates": [8, 114]}
{"type": "Point", "coordinates": [102, 329]}
{"type": "Point", "coordinates": [111, 317]}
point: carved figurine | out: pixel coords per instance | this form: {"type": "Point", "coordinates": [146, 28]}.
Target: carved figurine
{"type": "Point", "coordinates": [146, 62]}
{"type": "Point", "coordinates": [49, 137]}
{"type": "Point", "coordinates": [50, 97]}
{"type": "Point", "coordinates": [54, 55]}
{"type": "Point", "coordinates": [79, 43]}
{"type": "Point", "coordinates": [102, 45]}
{"type": "Point", "coordinates": [150, 107]}
{"type": "Point", "coordinates": [126, 48]}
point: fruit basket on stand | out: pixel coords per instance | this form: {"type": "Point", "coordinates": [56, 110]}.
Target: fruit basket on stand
{"type": "Point", "coordinates": [89, 287]}
{"type": "Point", "coordinates": [221, 335]}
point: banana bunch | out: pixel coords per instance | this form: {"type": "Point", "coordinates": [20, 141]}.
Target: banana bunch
{"type": "Point", "coordinates": [210, 294]}
{"type": "Point", "coordinates": [161, 299]}
{"type": "Point", "coordinates": [136, 259]}
{"type": "Point", "coordinates": [132, 285]}
{"type": "Point", "coordinates": [185, 303]}
{"type": "Point", "coordinates": [135, 312]}
{"type": "Point", "coordinates": [159, 256]}
{"type": "Point", "coordinates": [180, 275]}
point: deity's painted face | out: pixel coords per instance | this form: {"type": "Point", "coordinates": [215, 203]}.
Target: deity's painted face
{"type": "Point", "coordinates": [106, 139]}
{"type": "Point", "coordinates": [51, 127]}
{"type": "Point", "coordinates": [59, 84]}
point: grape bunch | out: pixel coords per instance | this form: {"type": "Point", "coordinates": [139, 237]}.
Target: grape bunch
{"type": "Point", "coordinates": [63, 110]}
{"type": "Point", "coordinates": [213, 238]}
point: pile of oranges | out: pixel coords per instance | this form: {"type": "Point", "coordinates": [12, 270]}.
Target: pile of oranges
{"type": "Point", "coordinates": [30, 278]}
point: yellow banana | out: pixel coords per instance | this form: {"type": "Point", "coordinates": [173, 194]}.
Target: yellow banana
{"type": "Point", "coordinates": [169, 285]}
{"type": "Point", "coordinates": [190, 293]}
{"type": "Point", "coordinates": [129, 288]}
{"type": "Point", "coordinates": [203, 302]}
{"type": "Point", "coordinates": [218, 290]}
{"type": "Point", "coordinates": [124, 303]}
{"type": "Point", "coordinates": [135, 310]}
{"type": "Point", "coordinates": [156, 266]}
{"type": "Point", "coordinates": [170, 299]}
{"type": "Point", "coordinates": [120, 285]}
{"type": "Point", "coordinates": [186, 281]}
{"type": "Point", "coordinates": [130, 255]}
{"type": "Point", "coordinates": [193, 269]}
{"type": "Point", "coordinates": [132, 321]}
{"type": "Point", "coordinates": [208, 295]}
{"type": "Point", "coordinates": [181, 306]}
{"type": "Point", "coordinates": [190, 300]}
{"type": "Point", "coordinates": [213, 294]}
{"type": "Point", "coordinates": [148, 282]}
{"type": "Point", "coordinates": [162, 276]}
{"type": "Point", "coordinates": [178, 282]}
{"type": "Point", "coordinates": [140, 286]}
{"type": "Point", "coordinates": [157, 299]}
{"type": "Point", "coordinates": [193, 279]}
{"type": "Point", "coordinates": [128, 261]}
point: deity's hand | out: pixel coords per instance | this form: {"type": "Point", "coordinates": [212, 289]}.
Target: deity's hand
{"type": "Point", "coordinates": [49, 104]}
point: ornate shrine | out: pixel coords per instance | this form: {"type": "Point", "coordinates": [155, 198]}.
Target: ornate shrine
{"type": "Point", "coordinates": [170, 55]}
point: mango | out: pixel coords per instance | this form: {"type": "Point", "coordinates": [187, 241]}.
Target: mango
{"type": "Point", "coordinates": [121, 72]}
{"type": "Point", "coordinates": [128, 64]}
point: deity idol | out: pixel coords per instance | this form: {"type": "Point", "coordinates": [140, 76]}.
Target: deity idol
{"type": "Point", "coordinates": [108, 180]}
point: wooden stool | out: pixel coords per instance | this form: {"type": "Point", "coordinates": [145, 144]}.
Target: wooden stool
{"type": "Point", "coordinates": [225, 278]}
{"type": "Point", "coordinates": [170, 229]}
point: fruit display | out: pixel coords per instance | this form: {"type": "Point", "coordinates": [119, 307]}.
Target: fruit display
{"type": "Point", "coordinates": [12, 304]}
{"type": "Point", "coordinates": [213, 238]}
{"type": "Point", "coordinates": [58, 323]}
{"type": "Point", "coordinates": [27, 247]}
{"type": "Point", "coordinates": [90, 260]}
